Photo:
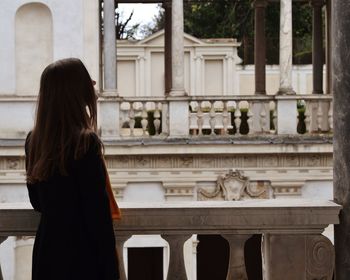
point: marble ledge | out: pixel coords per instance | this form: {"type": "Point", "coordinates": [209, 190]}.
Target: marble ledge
{"type": "Point", "coordinates": [253, 204]}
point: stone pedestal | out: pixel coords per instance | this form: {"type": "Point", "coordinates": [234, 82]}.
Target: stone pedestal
{"type": "Point", "coordinates": [287, 118]}
{"type": "Point", "coordinates": [296, 257]}
{"type": "Point", "coordinates": [178, 118]}
{"type": "Point", "coordinates": [108, 117]}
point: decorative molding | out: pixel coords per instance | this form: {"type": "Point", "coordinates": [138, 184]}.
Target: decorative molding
{"type": "Point", "coordinates": [287, 188]}
{"type": "Point", "coordinates": [219, 161]}
{"type": "Point", "coordinates": [319, 257]}
{"type": "Point", "coordinates": [233, 186]}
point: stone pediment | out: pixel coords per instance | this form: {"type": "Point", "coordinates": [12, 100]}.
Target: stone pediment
{"type": "Point", "coordinates": [158, 39]}
{"type": "Point", "coordinates": [234, 186]}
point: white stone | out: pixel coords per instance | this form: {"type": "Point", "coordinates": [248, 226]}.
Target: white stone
{"type": "Point", "coordinates": [287, 117]}
{"type": "Point", "coordinates": [178, 118]}
{"type": "Point", "coordinates": [109, 119]}
{"type": "Point", "coordinates": [286, 47]}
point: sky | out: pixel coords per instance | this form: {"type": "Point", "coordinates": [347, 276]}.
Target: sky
{"type": "Point", "coordinates": [143, 13]}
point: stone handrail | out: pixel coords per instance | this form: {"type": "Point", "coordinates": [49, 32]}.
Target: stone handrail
{"type": "Point", "coordinates": [232, 116]}
{"type": "Point", "coordinates": [292, 248]}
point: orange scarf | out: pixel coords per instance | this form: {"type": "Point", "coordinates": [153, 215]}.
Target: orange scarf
{"type": "Point", "coordinates": [115, 211]}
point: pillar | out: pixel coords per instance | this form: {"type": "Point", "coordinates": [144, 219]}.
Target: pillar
{"type": "Point", "coordinates": [167, 46]}
{"type": "Point", "coordinates": [2, 239]}
{"type": "Point", "coordinates": [109, 105]}
{"type": "Point", "coordinates": [341, 89]}
{"type": "Point", "coordinates": [177, 49]}
{"type": "Point", "coordinates": [236, 267]}
{"type": "Point", "coordinates": [178, 106]}
{"type": "Point", "coordinates": [286, 48]}
{"type": "Point", "coordinates": [109, 46]}
{"type": "Point", "coordinates": [317, 46]}
{"type": "Point", "coordinates": [177, 270]}
{"type": "Point", "coordinates": [329, 46]}
{"type": "Point", "coordinates": [260, 47]}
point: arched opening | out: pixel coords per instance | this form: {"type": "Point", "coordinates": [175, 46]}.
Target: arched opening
{"type": "Point", "coordinates": [34, 46]}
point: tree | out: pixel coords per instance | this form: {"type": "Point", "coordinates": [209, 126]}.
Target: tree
{"type": "Point", "coordinates": [122, 28]}
{"type": "Point", "coordinates": [235, 19]}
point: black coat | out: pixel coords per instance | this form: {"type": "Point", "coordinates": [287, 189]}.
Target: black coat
{"type": "Point", "coordinates": [75, 238]}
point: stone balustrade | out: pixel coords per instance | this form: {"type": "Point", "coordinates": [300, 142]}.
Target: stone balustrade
{"type": "Point", "coordinates": [292, 248]}
{"type": "Point", "coordinates": [230, 116]}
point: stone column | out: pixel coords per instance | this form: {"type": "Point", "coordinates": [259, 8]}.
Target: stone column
{"type": "Point", "coordinates": [178, 106]}
{"type": "Point", "coordinates": [317, 46]}
{"type": "Point", "coordinates": [260, 47]}
{"type": "Point", "coordinates": [167, 46]}
{"type": "Point", "coordinates": [177, 49]}
{"type": "Point", "coordinates": [109, 105]}
{"type": "Point", "coordinates": [177, 269]}
{"type": "Point", "coordinates": [120, 240]}
{"type": "Point", "coordinates": [341, 89]}
{"type": "Point", "coordinates": [286, 48]}
{"type": "Point", "coordinates": [23, 257]}
{"type": "Point", "coordinates": [236, 268]}
{"type": "Point", "coordinates": [2, 239]}
{"type": "Point", "coordinates": [109, 46]}
{"type": "Point", "coordinates": [329, 47]}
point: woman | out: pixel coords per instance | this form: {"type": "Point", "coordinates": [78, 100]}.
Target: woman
{"type": "Point", "coordinates": [66, 180]}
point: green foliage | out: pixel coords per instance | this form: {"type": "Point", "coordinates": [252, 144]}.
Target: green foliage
{"type": "Point", "coordinates": [235, 19]}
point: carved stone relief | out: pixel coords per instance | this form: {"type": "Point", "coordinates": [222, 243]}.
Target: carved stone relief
{"type": "Point", "coordinates": [234, 186]}
{"type": "Point", "coordinates": [320, 258]}
{"type": "Point", "coordinates": [199, 161]}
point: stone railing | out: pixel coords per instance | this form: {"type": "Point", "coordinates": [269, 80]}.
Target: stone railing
{"type": "Point", "coordinates": [292, 248]}
{"type": "Point", "coordinates": [231, 116]}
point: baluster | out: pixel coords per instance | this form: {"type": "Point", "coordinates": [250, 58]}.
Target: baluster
{"type": "Point", "coordinates": [212, 115]}
{"type": "Point", "coordinates": [330, 116]}
{"type": "Point", "coordinates": [263, 116]}
{"type": "Point", "coordinates": [2, 239]}
{"type": "Point", "coordinates": [250, 118]}
{"type": "Point", "coordinates": [307, 117]}
{"type": "Point", "coordinates": [274, 118]}
{"type": "Point", "coordinates": [200, 118]}
{"type": "Point", "coordinates": [225, 118]}
{"type": "Point", "coordinates": [156, 116]}
{"type": "Point", "coordinates": [165, 118]}
{"type": "Point", "coordinates": [176, 269]}
{"type": "Point", "coordinates": [120, 240]}
{"type": "Point", "coordinates": [236, 267]}
{"type": "Point", "coordinates": [144, 120]}
{"type": "Point", "coordinates": [132, 118]}
{"type": "Point", "coordinates": [319, 115]}
{"type": "Point", "coordinates": [237, 118]}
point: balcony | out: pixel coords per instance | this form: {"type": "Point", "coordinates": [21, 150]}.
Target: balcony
{"type": "Point", "coordinates": [292, 247]}
{"type": "Point", "coordinates": [213, 117]}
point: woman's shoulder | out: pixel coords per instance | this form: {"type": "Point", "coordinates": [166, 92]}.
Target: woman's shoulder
{"type": "Point", "coordinates": [90, 144]}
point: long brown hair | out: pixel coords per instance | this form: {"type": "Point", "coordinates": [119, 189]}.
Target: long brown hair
{"type": "Point", "coordinates": [66, 117]}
